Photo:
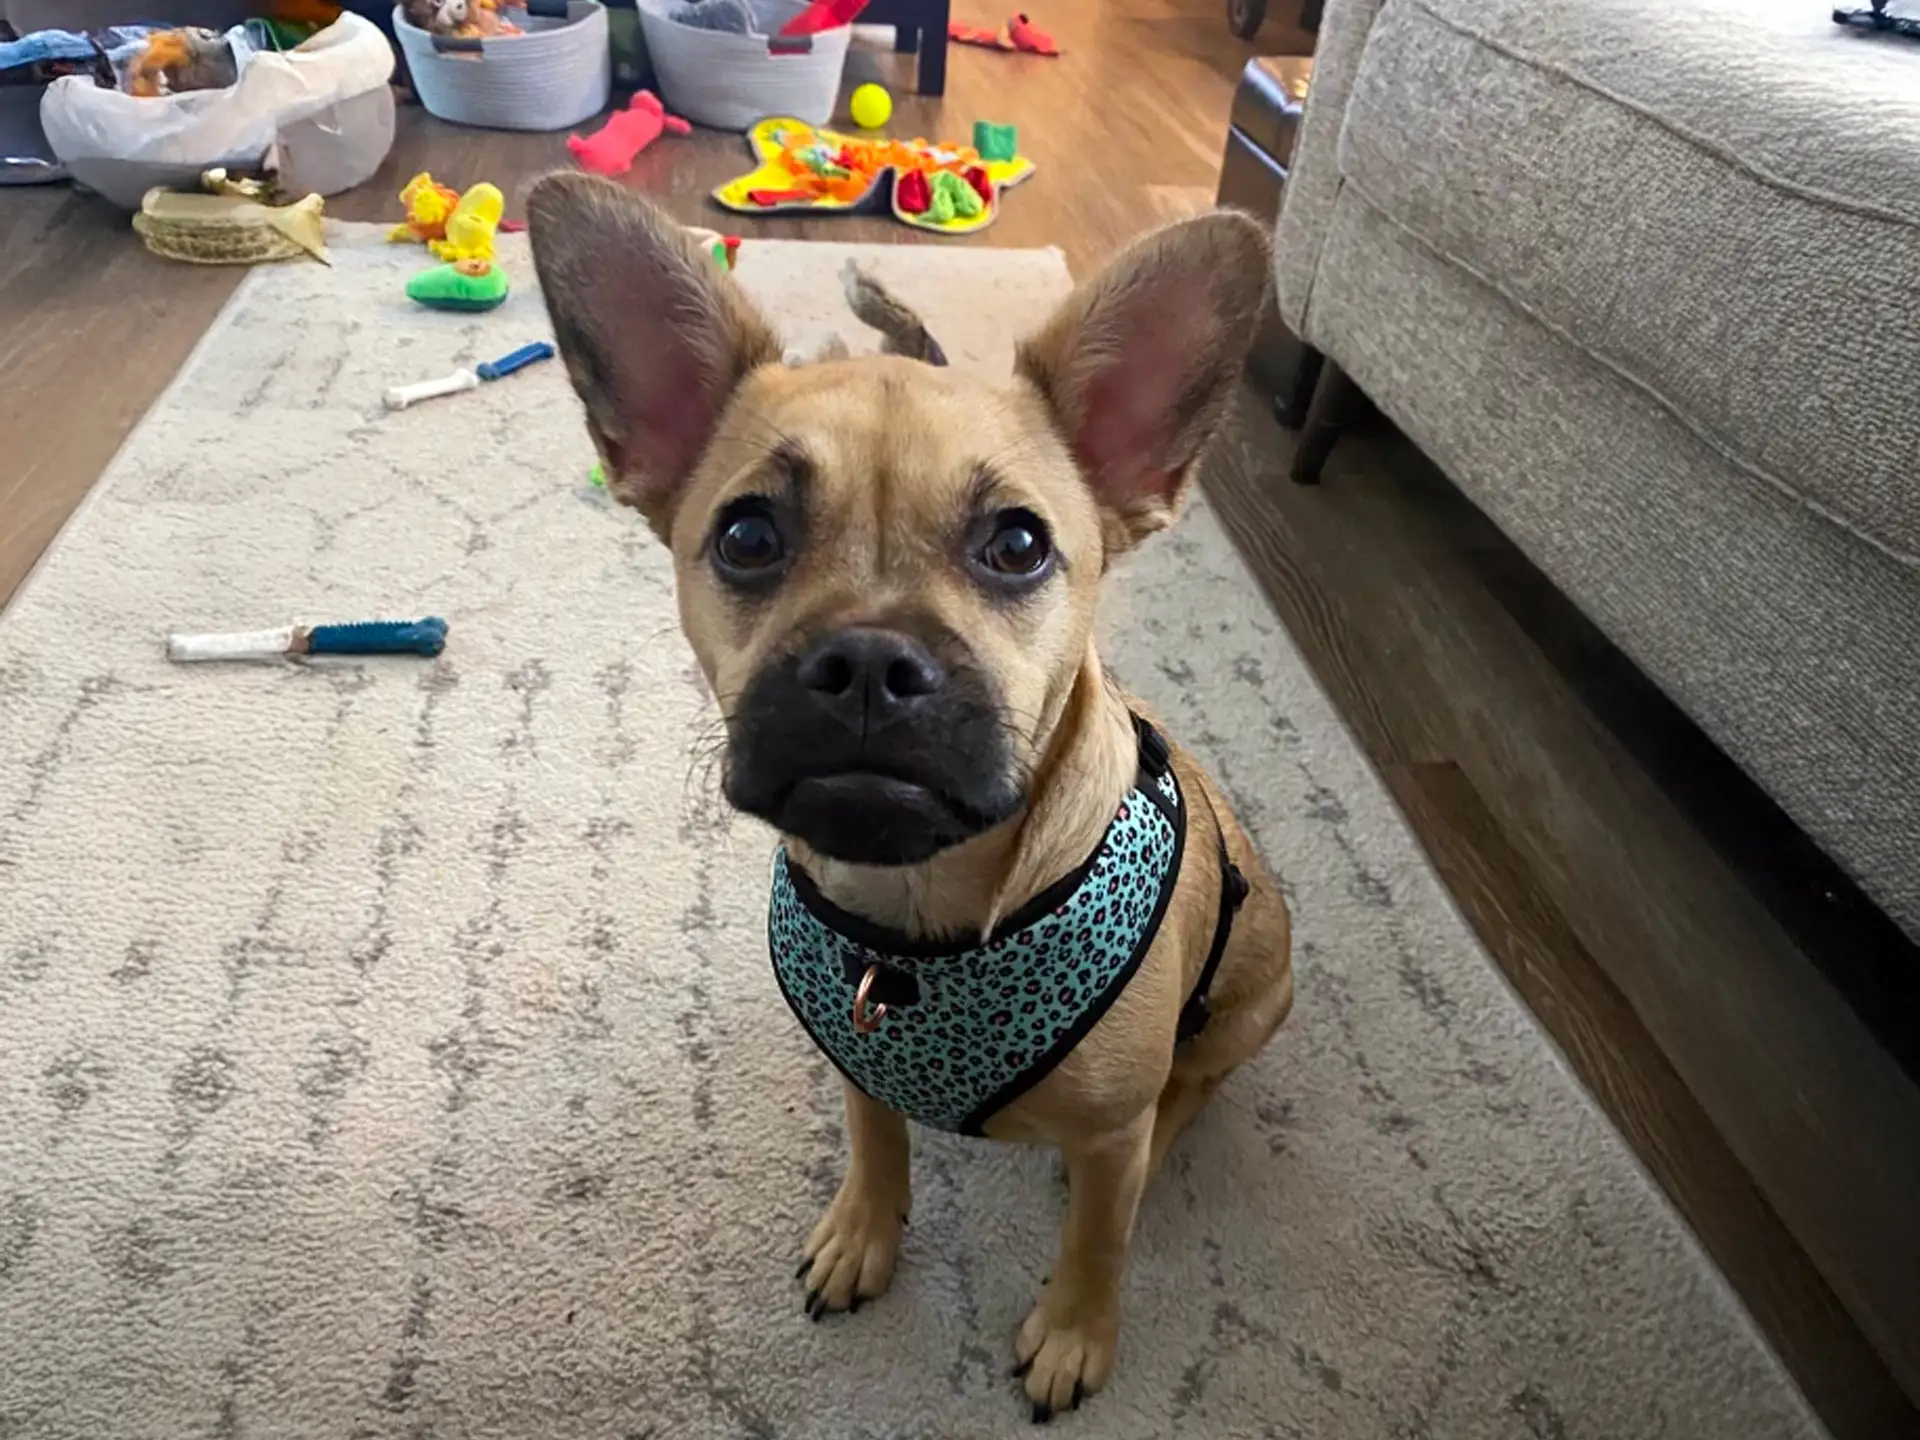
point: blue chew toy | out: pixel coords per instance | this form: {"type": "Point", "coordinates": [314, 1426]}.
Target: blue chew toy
{"type": "Point", "coordinates": [380, 637]}
{"type": "Point", "coordinates": [426, 636]}
{"type": "Point", "coordinates": [514, 360]}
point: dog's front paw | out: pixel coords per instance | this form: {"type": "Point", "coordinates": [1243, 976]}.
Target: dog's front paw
{"type": "Point", "coordinates": [850, 1257]}
{"type": "Point", "coordinates": [1065, 1350]}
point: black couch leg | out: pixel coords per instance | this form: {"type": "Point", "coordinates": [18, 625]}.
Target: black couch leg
{"type": "Point", "coordinates": [1291, 404]}
{"type": "Point", "coordinates": [1333, 404]}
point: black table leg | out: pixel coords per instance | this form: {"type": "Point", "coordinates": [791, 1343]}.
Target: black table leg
{"type": "Point", "coordinates": [933, 49]}
{"type": "Point", "coordinates": [906, 39]}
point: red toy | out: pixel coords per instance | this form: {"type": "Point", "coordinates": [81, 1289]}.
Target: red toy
{"type": "Point", "coordinates": [823, 15]}
{"type": "Point", "coordinates": [912, 193]}
{"type": "Point", "coordinates": [610, 150]}
{"type": "Point", "coordinates": [1019, 33]}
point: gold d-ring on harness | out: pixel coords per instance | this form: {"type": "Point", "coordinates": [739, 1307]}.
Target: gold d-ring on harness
{"type": "Point", "coordinates": [866, 1019]}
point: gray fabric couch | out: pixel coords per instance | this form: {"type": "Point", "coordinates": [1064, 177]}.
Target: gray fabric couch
{"type": "Point", "coordinates": [1644, 279]}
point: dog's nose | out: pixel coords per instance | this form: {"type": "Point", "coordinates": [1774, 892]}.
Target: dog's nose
{"type": "Point", "coordinates": [865, 677]}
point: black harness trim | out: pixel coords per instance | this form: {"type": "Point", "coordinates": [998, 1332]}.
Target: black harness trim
{"type": "Point", "coordinates": [1233, 894]}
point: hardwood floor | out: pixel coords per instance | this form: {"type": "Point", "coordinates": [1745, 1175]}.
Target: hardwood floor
{"type": "Point", "coordinates": [1657, 953]}
{"type": "Point", "coordinates": [1649, 949]}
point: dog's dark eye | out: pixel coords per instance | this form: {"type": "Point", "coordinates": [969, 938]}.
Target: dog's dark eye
{"type": "Point", "coordinates": [1017, 546]}
{"type": "Point", "coordinates": [747, 543]}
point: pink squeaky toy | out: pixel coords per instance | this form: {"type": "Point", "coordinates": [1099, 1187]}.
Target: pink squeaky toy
{"type": "Point", "coordinates": [610, 150]}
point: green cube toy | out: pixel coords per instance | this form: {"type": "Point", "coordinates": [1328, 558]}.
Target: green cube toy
{"type": "Point", "coordinates": [995, 142]}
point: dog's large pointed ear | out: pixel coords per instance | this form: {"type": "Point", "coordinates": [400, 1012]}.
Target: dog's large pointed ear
{"type": "Point", "coordinates": [655, 336]}
{"type": "Point", "coordinates": [1139, 364]}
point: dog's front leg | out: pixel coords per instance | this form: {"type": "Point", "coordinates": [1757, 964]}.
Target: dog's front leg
{"type": "Point", "coordinates": [850, 1257]}
{"type": "Point", "coordinates": [1066, 1347]}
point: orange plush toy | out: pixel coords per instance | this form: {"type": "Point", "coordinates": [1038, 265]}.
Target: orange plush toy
{"type": "Point", "coordinates": [179, 60]}
{"type": "Point", "coordinates": [429, 204]}
{"type": "Point", "coordinates": [462, 19]}
{"type": "Point", "coordinates": [317, 13]}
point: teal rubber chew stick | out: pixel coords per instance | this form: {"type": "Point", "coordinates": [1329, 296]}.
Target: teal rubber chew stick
{"type": "Point", "coordinates": [514, 360]}
{"type": "Point", "coordinates": [380, 637]}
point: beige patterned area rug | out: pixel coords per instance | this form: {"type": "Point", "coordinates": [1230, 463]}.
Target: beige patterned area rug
{"type": "Point", "coordinates": [390, 1050]}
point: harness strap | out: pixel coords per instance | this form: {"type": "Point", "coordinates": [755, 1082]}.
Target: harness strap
{"type": "Point", "coordinates": [1233, 894]}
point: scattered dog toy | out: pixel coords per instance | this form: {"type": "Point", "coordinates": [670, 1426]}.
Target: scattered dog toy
{"type": "Point", "coordinates": [871, 107]}
{"type": "Point", "coordinates": [470, 227]}
{"type": "Point", "coordinates": [428, 204]}
{"type": "Point", "coordinates": [610, 149]}
{"type": "Point", "coordinates": [462, 285]}
{"type": "Point", "coordinates": [775, 199]}
{"type": "Point", "coordinates": [824, 172]}
{"type": "Point", "coordinates": [453, 226]}
{"type": "Point", "coordinates": [597, 477]}
{"type": "Point", "coordinates": [1019, 33]}
{"type": "Point", "coordinates": [996, 142]}
{"type": "Point", "coordinates": [957, 198]}
{"type": "Point", "coordinates": [366, 637]}
{"type": "Point", "coordinates": [401, 396]}
{"type": "Point", "coordinates": [823, 15]}
{"type": "Point", "coordinates": [725, 249]}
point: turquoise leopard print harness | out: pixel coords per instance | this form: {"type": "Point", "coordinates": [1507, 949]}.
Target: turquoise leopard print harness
{"type": "Point", "coordinates": [949, 1034]}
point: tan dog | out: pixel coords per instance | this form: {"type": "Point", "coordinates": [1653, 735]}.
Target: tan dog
{"type": "Point", "coordinates": [888, 571]}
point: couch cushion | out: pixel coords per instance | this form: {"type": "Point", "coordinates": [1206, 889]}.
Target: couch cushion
{"type": "Point", "coordinates": [1786, 640]}
{"type": "Point", "coordinates": [1718, 201]}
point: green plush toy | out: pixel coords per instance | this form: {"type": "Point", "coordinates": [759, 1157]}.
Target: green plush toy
{"type": "Point", "coordinates": [953, 198]}
{"type": "Point", "coordinates": [995, 142]}
{"type": "Point", "coordinates": [462, 285]}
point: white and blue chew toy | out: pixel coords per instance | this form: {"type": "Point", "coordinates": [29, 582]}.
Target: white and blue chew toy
{"type": "Point", "coordinates": [401, 396]}
{"type": "Point", "coordinates": [367, 637]}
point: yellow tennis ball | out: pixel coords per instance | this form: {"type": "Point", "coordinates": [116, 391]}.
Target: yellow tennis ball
{"type": "Point", "coordinates": [871, 107]}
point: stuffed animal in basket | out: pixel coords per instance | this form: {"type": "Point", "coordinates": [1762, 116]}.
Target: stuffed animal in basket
{"type": "Point", "coordinates": [175, 61]}
{"type": "Point", "coordinates": [462, 19]}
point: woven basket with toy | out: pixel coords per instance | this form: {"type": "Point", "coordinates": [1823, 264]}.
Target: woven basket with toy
{"type": "Point", "coordinates": [544, 65]}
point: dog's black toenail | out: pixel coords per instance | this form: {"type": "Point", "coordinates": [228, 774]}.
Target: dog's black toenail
{"type": "Point", "coordinates": [805, 1265]}
{"type": "Point", "coordinates": [1018, 1372]}
{"type": "Point", "coordinates": [1079, 1394]}
{"type": "Point", "coordinates": [853, 1305]}
{"type": "Point", "coordinates": [811, 1304]}
{"type": "Point", "coordinates": [1042, 1413]}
